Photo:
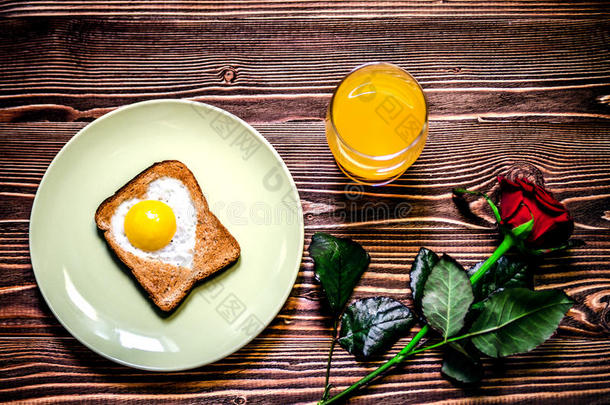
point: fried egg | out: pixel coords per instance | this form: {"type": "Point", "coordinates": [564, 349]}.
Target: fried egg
{"type": "Point", "coordinates": [161, 226]}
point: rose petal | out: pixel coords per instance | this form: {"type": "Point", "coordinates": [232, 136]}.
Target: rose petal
{"type": "Point", "coordinates": [528, 187]}
{"type": "Point", "coordinates": [555, 235]}
{"type": "Point", "coordinates": [523, 215]}
{"type": "Point", "coordinates": [510, 197]}
{"type": "Point", "coordinates": [520, 200]}
{"type": "Point", "coordinates": [548, 201]}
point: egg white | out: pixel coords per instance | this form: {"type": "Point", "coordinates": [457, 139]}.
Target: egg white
{"type": "Point", "coordinates": [180, 251]}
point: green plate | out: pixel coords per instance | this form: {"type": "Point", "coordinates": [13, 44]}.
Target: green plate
{"type": "Point", "coordinates": [247, 186]}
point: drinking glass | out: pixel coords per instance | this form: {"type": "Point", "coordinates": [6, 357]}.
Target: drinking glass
{"type": "Point", "coordinates": [377, 123]}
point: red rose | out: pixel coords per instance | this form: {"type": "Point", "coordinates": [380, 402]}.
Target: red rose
{"type": "Point", "coordinates": [521, 199]}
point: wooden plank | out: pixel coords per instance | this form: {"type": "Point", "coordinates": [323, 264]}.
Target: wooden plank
{"type": "Point", "coordinates": [68, 69]}
{"type": "Point", "coordinates": [506, 81]}
{"type": "Point", "coordinates": [268, 370]}
{"type": "Point", "coordinates": [256, 9]}
{"type": "Point", "coordinates": [574, 158]}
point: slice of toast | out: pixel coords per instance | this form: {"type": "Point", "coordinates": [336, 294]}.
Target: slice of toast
{"type": "Point", "coordinates": [215, 248]}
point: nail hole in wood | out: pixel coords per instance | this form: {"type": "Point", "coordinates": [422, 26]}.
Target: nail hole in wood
{"type": "Point", "coordinates": [240, 401]}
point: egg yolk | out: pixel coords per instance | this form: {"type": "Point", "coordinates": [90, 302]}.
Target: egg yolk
{"type": "Point", "coordinates": [150, 225]}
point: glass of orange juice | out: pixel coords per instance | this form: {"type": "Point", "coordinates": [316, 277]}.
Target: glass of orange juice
{"type": "Point", "coordinates": [377, 123]}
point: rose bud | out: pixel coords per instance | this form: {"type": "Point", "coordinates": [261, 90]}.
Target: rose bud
{"type": "Point", "coordinates": [521, 200]}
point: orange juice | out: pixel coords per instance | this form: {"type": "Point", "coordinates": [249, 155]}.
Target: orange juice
{"type": "Point", "coordinates": [376, 125]}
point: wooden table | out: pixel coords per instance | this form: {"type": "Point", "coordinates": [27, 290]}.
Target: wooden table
{"type": "Point", "coordinates": [506, 82]}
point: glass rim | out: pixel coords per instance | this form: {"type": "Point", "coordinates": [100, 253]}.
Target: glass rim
{"type": "Point", "coordinates": [365, 155]}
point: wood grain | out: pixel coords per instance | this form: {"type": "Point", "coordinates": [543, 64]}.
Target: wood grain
{"type": "Point", "coordinates": [270, 370]}
{"type": "Point", "coordinates": [431, 219]}
{"type": "Point", "coordinates": [573, 156]}
{"type": "Point", "coordinates": [66, 69]}
{"type": "Point", "coordinates": [506, 82]}
{"type": "Point", "coordinates": [256, 9]}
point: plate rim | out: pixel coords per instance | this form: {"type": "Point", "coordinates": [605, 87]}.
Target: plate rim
{"type": "Point", "coordinates": [275, 310]}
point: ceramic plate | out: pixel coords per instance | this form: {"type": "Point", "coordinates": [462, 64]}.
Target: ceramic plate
{"type": "Point", "coordinates": [247, 186]}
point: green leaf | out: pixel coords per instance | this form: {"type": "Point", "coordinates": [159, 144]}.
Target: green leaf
{"type": "Point", "coordinates": [420, 270]}
{"type": "Point", "coordinates": [462, 363]}
{"type": "Point", "coordinates": [517, 320]}
{"type": "Point", "coordinates": [338, 265]}
{"type": "Point", "coordinates": [447, 297]}
{"type": "Point", "coordinates": [371, 325]}
{"type": "Point", "coordinates": [505, 273]}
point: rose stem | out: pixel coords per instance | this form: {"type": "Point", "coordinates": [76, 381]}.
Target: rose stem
{"type": "Point", "coordinates": [506, 244]}
{"type": "Point", "coordinates": [330, 357]}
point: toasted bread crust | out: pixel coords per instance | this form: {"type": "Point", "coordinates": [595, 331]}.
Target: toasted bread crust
{"type": "Point", "coordinates": [215, 247]}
